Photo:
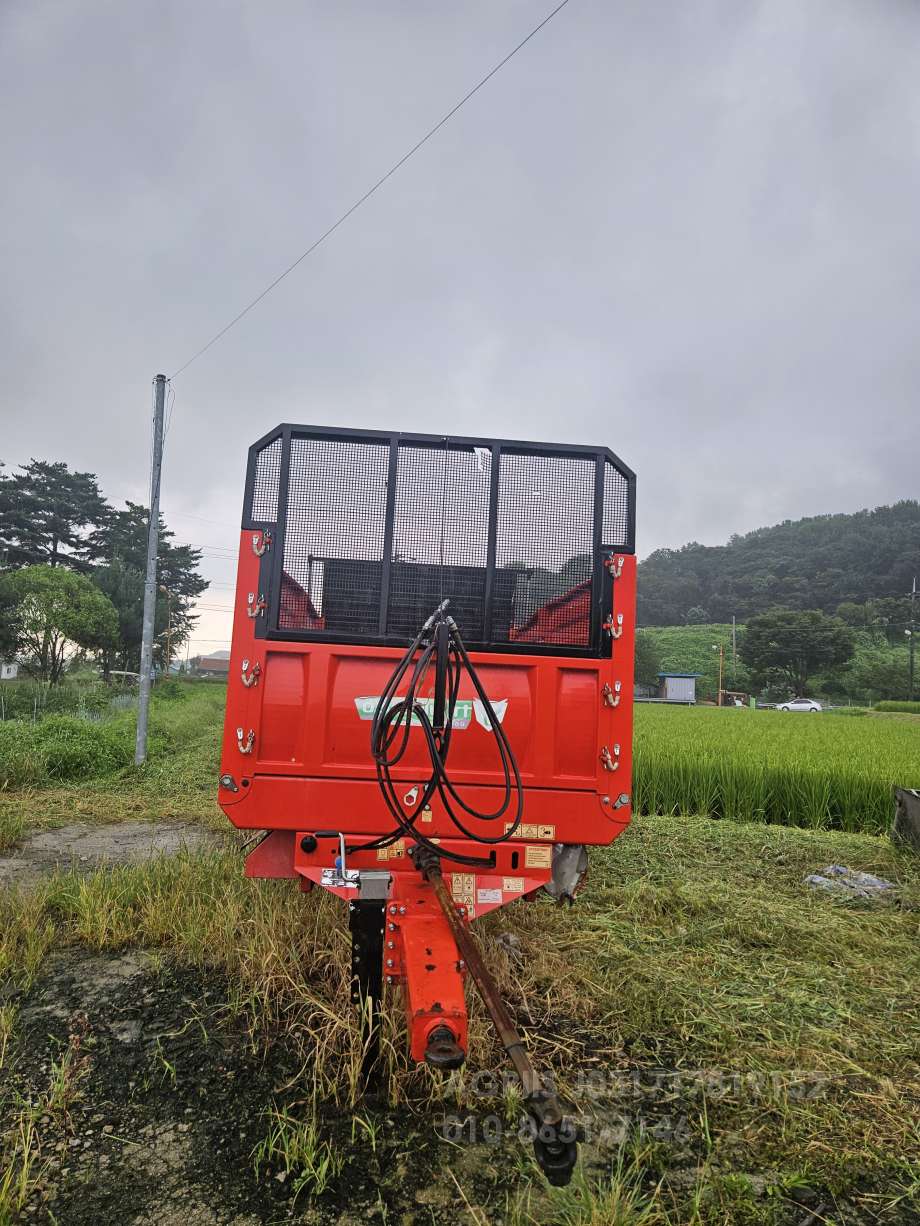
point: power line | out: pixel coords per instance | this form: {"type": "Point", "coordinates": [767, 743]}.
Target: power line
{"type": "Point", "coordinates": [219, 523]}
{"type": "Point", "coordinates": [367, 195]}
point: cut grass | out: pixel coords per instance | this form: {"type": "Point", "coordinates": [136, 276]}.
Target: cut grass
{"type": "Point", "coordinates": [785, 1020]}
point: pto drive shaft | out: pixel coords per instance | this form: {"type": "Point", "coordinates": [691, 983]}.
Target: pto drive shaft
{"type": "Point", "coordinates": [555, 1137]}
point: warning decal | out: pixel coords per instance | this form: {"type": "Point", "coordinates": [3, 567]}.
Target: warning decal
{"type": "Point", "coordinates": [538, 857]}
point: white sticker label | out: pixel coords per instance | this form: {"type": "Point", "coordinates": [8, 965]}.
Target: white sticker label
{"type": "Point", "coordinates": [483, 896]}
{"type": "Point", "coordinates": [500, 706]}
{"type": "Point", "coordinates": [366, 705]}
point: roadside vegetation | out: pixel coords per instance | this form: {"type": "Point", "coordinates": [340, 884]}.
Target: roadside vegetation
{"type": "Point", "coordinates": [64, 769]}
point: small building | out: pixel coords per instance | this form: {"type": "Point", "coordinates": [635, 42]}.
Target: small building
{"type": "Point", "coordinates": [678, 687]}
{"type": "Point", "coordinates": [9, 670]}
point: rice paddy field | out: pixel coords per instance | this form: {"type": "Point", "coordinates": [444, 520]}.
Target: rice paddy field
{"type": "Point", "coordinates": [820, 771]}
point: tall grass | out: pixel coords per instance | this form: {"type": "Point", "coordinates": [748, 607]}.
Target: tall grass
{"type": "Point", "coordinates": [33, 700]}
{"type": "Point", "coordinates": [770, 766]}
{"type": "Point", "coordinates": [65, 748]}
{"type": "Point", "coordinates": [908, 708]}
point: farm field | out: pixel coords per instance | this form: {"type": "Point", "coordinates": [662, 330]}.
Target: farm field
{"type": "Point", "coordinates": [174, 1047]}
{"type": "Point", "coordinates": [820, 771]}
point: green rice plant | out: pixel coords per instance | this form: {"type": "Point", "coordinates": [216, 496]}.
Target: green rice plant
{"type": "Point", "coordinates": [908, 708]}
{"type": "Point", "coordinates": [770, 766]}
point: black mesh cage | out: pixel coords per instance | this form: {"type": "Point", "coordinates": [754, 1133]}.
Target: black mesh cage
{"type": "Point", "coordinates": [371, 531]}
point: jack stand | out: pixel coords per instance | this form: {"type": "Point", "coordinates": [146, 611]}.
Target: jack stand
{"type": "Point", "coordinates": [366, 923]}
{"type": "Point", "coordinates": [555, 1136]}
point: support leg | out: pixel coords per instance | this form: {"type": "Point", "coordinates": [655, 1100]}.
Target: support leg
{"type": "Point", "coordinates": [366, 922]}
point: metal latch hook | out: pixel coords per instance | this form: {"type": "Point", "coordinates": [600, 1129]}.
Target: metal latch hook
{"type": "Point", "coordinates": [261, 542]}
{"type": "Point", "coordinates": [614, 626]}
{"type": "Point", "coordinates": [610, 696]}
{"type": "Point", "coordinates": [610, 761]}
{"type": "Point", "coordinates": [250, 678]}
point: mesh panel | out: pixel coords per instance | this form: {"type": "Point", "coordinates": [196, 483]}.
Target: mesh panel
{"type": "Point", "coordinates": [333, 545]}
{"type": "Point", "coordinates": [540, 589]}
{"type": "Point", "coordinates": [265, 483]}
{"type": "Point", "coordinates": [544, 542]}
{"type": "Point", "coordinates": [616, 507]}
{"type": "Point", "coordinates": [440, 536]}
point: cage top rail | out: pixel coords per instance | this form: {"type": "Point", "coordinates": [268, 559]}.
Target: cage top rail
{"type": "Point", "coordinates": [373, 528]}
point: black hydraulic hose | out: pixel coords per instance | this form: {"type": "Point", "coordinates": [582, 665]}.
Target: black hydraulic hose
{"type": "Point", "coordinates": [391, 727]}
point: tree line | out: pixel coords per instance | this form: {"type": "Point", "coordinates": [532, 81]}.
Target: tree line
{"type": "Point", "coordinates": [72, 571]}
{"type": "Point", "coordinates": [859, 567]}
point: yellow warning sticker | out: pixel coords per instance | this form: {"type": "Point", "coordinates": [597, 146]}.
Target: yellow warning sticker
{"type": "Point", "coordinates": [383, 853]}
{"type": "Point", "coordinates": [538, 857]}
{"type": "Point", "coordinates": [529, 830]}
{"type": "Point", "coordinates": [513, 885]}
{"type": "Point", "coordinates": [427, 815]}
{"type": "Point", "coordinates": [463, 887]}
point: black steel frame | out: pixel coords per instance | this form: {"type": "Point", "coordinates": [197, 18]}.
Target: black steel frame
{"type": "Point", "coordinates": [272, 562]}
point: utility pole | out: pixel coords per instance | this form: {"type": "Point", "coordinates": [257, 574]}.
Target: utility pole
{"type": "Point", "coordinates": [168, 626]}
{"type": "Point", "coordinates": [150, 584]}
{"type": "Point", "coordinates": [720, 648]}
{"type": "Point", "coordinates": [734, 652]}
{"type": "Point", "coordinates": [912, 635]}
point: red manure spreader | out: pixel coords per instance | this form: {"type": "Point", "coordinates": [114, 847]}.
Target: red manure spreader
{"type": "Point", "coordinates": [429, 708]}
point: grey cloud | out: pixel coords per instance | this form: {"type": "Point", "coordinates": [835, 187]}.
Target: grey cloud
{"type": "Point", "coordinates": [687, 230]}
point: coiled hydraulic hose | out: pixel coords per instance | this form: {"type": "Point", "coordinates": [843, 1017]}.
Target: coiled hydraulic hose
{"type": "Point", "coordinates": [440, 640]}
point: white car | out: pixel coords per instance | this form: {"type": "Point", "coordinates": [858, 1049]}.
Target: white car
{"type": "Point", "coordinates": [799, 704]}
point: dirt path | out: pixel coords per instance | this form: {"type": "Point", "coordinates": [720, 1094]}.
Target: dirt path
{"type": "Point", "coordinates": [152, 1096]}
{"type": "Point", "coordinates": [156, 1117]}
{"type": "Point", "coordinates": [85, 847]}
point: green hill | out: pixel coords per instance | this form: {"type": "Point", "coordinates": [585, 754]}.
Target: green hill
{"type": "Point", "coordinates": [694, 649]}
{"type": "Point", "coordinates": [817, 563]}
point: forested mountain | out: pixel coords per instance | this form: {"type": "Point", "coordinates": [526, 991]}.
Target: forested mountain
{"type": "Point", "coordinates": [817, 563]}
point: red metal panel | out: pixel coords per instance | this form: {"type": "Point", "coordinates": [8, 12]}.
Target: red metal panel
{"type": "Point", "coordinates": [273, 857]}
{"type": "Point", "coordinates": [281, 726]}
{"type": "Point", "coordinates": [309, 711]}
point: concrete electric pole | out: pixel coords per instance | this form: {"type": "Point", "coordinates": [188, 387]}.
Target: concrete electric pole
{"type": "Point", "coordinates": [912, 636]}
{"type": "Point", "coordinates": [150, 584]}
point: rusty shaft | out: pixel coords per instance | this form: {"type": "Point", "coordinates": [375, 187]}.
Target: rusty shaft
{"type": "Point", "coordinates": [534, 1090]}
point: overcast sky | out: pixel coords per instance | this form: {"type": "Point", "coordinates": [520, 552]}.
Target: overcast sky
{"type": "Point", "coordinates": [687, 230]}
